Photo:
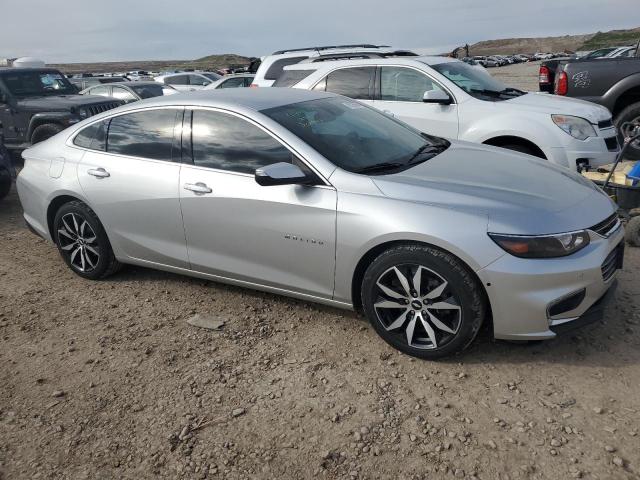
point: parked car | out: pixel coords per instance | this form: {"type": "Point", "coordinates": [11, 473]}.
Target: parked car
{"type": "Point", "coordinates": [622, 52]}
{"type": "Point", "coordinates": [188, 81]}
{"type": "Point", "coordinates": [271, 66]}
{"type": "Point", "coordinates": [237, 80]}
{"type": "Point", "coordinates": [611, 82]}
{"type": "Point", "coordinates": [85, 82]}
{"type": "Point", "coordinates": [602, 52]}
{"type": "Point", "coordinates": [128, 92]}
{"type": "Point", "coordinates": [446, 97]}
{"type": "Point", "coordinates": [332, 202]}
{"type": "Point", "coordinates": [37, 103]}
{"type": "Point", "coordinates": [7, 172]}
{"type": "Point", "coordinates": [138, 75]}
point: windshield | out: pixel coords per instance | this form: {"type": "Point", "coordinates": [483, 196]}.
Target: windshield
{"type": "Point", "coordinates": [148, 91]}
{"type": "Point", "coordinates": [34, 83]}
{"type": "Point", "coordinates": [476, 81]}
{"type": "Point", "coordinates": [355, 137]}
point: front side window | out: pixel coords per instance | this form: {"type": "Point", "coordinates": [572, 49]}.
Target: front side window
{"type": "Point", "coordinates": [147, 134]}
{"type": "Point", "coordinates": [102, 91]}
{"type": "Point", "coordinates": [356, 137]}
{"type": "Point", "coordinates": [198, 80]}
{"type": "Point", "coordinates": [227, 142]}
{"type": "Point", "coordinates": [401, 84]}
{"type": "Point", "coordinates": [351, 82]}
{"type": "Point", "coordinates": [177, 80]}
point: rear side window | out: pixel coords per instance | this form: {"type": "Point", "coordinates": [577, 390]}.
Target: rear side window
{"type": "Point", "coordinates": [275, 70]}
{"type": "Point", "coordinates": [352, 82]}
{"type": "Point", "coordinates": [289, 78]}
{"type": "Point", "coordinates": [92, 137]}
{"type": "Point", "coordinates": [146, 134]}
{"type": "Point", "coordinates": [177, 80]}
{"type": "Point", "coordinates": [226, 142]}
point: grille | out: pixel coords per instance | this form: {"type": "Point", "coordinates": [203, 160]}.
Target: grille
{"type": "Point", "coordinates": [605, 124]}
{"type": "Point", "coordinates": [101, 107]}
{"type": "Point", "coordinates": [605, 226]}
{"type": "Point", "coordinates": [612, 143]}
{"type": "Point", "coordinates": [611, 263]}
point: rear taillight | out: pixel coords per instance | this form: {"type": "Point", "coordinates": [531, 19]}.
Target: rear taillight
{"type": "Point", "coordinates": [562, 84]}
{"type": "Point", "coordinates": [254, 85]}
{"type": "Point", "coordinates": [543, 75]}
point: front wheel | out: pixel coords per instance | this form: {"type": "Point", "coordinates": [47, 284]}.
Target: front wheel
{"type": "Point", "coordinates": [83, 242]}
{"type": "Point", "coordinates": [625, 121]}
{"type": "Point", "coordinates": [423, 301]}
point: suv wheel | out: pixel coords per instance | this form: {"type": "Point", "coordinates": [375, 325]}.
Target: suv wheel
{"type": "Point", "coordinates": [5, 182]}
{"type": "Point", "coordinates": [423, 301]}
{"type": "Point", "coordinates": [45, 131]}
{"type": "Point", "coordinates": [83, 242]}
{"type": "Point", "coordinates": [631, 114]}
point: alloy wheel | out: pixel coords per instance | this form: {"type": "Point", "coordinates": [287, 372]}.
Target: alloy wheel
{"type": "Point", "coordinates": [627, 129]}
{"type": "Point", "coordinates": [78, 242]}
{"type": "Point", "coordinates": [418, 306]}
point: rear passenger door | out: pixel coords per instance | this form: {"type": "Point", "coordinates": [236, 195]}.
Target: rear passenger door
{"type": "Point", "coordinates": [280, 236]}
{"type": "Point", "coordinates": [401, 92]}
{"type": "Point", "coordinates": [130, 174]}
{"type": "Point", "coordinates": [353, 82]}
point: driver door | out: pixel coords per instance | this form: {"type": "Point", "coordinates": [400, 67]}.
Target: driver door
{"type": "Point", "coordinates": [401, 93]}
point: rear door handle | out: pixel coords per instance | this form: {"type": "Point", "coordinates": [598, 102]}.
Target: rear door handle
{"type": "Point", "coordinates": [98, 172]}
{"type": "Point", "coordinates": [197, 187]}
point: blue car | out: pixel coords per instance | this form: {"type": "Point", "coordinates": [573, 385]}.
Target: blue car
{"type": "Point", "coordinates": [7, 172]}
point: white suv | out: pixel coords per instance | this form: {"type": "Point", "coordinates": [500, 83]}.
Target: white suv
{"type": "Point", "coordinates": [448, 98]}
{"type": "Point", "coordinates": [188, 81]}
{"type": "Point", "coordinates": [272, 65]}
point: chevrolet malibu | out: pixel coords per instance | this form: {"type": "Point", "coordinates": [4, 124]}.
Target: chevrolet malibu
{"type": "Point", "coordinates": [322, 198]}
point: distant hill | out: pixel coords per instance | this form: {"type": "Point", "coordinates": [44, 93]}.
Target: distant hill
{"type": "Point", "coordinates": [571, 43]}
{"type": "Point", "coordinates": [211, 62]}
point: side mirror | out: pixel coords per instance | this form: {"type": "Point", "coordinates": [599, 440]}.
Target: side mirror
{"type": "Point", "coordinates": [436, 96]}
{"type": "Point", "coordinates": [280, 173]}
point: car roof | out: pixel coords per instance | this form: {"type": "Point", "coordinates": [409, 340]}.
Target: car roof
{"type": "Point", "coordinates": [426, 59]}
{"type": "Point", "coordinates": [29, 69]}
{"type": "Point", "coordinates": [249, 98]}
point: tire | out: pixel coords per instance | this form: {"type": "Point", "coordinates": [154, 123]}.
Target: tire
{"type": "Point", "coordinates": [5, 182]}
{"type": "Point", "coordinates": [629, 114]}
{"type": "Point", "coordinates": [45, 131]}
{"type": "Point", "coordinates": [441, 319]}
{"type": "Point", "coordinates": [632, 232]}
{"type": "Point", "coordinates": [83, 242]}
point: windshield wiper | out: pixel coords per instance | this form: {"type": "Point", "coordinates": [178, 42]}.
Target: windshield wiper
{"type": "Point", "coordinates": [514, 90]}
{"type": "Point", "coordinates": [426, 148]}
{"type": "Point", "coordinates": [380, 167]}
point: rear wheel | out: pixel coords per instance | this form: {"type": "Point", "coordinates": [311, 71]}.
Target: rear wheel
{"type": "Point", "coordinates": [83, 242]}
{"type": "Point", "coordinates": [423, 301]}
{"type": "Point", "coordinates": [45, 131]}
{"type": "Point", "coordinates": [624, 120]}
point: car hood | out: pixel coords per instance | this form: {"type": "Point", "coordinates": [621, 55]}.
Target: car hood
{"type": "Point", "coordinates": [554, 104]}
{"type": "Point", "coordinates": [60, 103]}
{"type": "Point", "coordinates": [519, 193]}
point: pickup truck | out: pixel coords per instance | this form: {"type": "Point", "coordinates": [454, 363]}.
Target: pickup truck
{"type": "Point", "coordinates": [611, 82]}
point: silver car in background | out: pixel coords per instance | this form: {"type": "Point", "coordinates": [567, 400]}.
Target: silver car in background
{"type": "Point", "coordinates": [322, 198]}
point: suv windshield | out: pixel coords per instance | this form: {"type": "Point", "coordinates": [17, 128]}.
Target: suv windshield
{"type": "Point", "coordinates": [34, 83]}
{"type": "Point", "coordinates": [476, 81]}
{"type": "Point", "coordinates": [355, 137]}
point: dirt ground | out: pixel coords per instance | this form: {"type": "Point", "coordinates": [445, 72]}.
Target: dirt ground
{"type": "Point", "coordinates": [104, 380]}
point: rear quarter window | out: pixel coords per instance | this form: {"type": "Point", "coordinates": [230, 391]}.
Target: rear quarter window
{"type": "Point", "coordinates": [92, 137]}
{"type": "Point", "coordinates": [276, 68]}
{"type": "Point", "coordinates": [289, 78]}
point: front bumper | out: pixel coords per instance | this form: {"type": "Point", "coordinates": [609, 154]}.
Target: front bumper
{"type": "Point", "coordinates": [522, 291]}
{"type": "Point", "coordinates": [594, 151]}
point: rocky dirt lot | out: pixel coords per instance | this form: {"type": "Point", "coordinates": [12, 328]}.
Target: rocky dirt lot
{"type": "Point", "coordinates": [104, 380]}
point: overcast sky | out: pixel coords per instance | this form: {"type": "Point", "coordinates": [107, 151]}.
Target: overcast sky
{"type": "Point", "coordinates": [88, 31]}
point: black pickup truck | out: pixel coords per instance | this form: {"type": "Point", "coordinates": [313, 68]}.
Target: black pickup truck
{"type": "Point", "coordinates": [37, 103]}
{"type": "Point", "coordinates": [611, 82]}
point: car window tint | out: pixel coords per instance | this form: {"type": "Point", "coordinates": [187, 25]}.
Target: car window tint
{"type": "Point", "coordinates": [177, 80]}
{"type": "Point", "coordinates": [146, 134]}
{"type": "Point", "coordinates": [276, 68]}
{"type": "Point", "coordinates": [198, 80]}
{"type": "Point", "coordinates": [123, 94]}
{"type": "Point", "coordinates": [404, 84]}
{"type": "Point", "coordinates": [226, 142]}
{"type": "Point", "coordinates": [233, 83]}
{"type": "Point", "coordinates": [351, 82]}
{"type": "Point", "coordinates": [248, 81]}
{"type": "Point", "coordinates": [290, 78]}
{"type": "Point", "coordinates": [103, 91]}
{"type": "Point", "coordinates": [92, 137]}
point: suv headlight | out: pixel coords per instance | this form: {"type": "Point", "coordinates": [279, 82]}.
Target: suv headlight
{"type": "Point", "coordinates": [542, 246]}
{"type": "Point", "coordinates": [575, 126]}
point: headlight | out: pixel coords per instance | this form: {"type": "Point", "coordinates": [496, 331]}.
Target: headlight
{"type": "Point", "coordinates": [542, 246]}
{"type": "Point", "coordinates": [575, 126]}
{"type": "Point", "coordinates": [82, 113]}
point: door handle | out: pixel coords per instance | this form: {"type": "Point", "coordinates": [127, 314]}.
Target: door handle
{"type": "Point", "coordinates": [98, 172]}
{"type": "Point", "coordinates": [197, 187]}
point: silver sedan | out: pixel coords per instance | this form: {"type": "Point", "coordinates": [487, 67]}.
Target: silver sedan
{"type": "Point", "coordinates": [322, 198]}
